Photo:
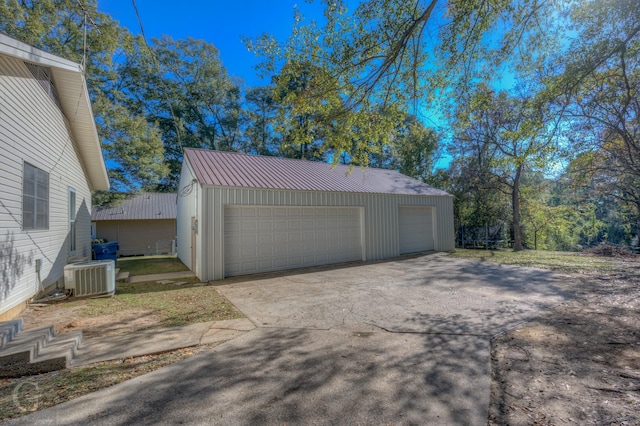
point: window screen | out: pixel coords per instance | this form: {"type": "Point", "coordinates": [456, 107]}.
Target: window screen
{"type": "Point", "coordinates": [35, 198]}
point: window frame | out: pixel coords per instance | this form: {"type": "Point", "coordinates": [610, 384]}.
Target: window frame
{"type": "Point", "coordinates": [39, 218]}
{"type": "Point", "coordinates": [72, 216]}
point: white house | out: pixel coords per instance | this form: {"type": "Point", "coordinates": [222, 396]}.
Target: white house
{"type": "Point", "coordinates": [50, 160]}
{"type": "Point", "coordinates": [243, 214]}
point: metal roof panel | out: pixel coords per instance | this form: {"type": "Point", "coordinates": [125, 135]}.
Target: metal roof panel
{"type": "Point", "coordinates": [221, 168]}
{"type": "Point", "coordinates": [142, 206]}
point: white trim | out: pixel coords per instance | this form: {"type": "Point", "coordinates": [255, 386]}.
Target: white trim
{"type": "Point", "coordinates": [17, 49]}
{"type": "Point", "coordinates": [72, 221]}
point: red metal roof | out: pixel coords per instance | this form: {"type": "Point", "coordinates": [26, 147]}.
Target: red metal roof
{"type": "Point", "coordinates": [221, 168]}
{"type": "Point", "coordinates": [142, 206]}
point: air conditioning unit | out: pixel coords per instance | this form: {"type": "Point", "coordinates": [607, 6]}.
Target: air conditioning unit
{"type": "Point", "coordinates": [93, 278]}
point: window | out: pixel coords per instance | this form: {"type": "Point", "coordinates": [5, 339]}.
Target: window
{"type": "Point", "coordinates": [72, 220]}
{"type": "Point", "coordinates": [35, 198]}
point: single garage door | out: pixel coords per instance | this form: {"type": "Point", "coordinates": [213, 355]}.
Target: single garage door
{"type": "Point", "coordinates": [416, 229]}
{"type": "Point", "coordinates": [262, 239]}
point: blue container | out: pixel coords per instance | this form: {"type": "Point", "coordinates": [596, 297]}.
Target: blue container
{"type": "Point", "coordinates": [106, 251]}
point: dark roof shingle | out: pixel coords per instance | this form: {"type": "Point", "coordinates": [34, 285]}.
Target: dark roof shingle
{"type": "Point", "coordinates": [220, 168]}
{"type": "Point", "coordinates": [143, 206]}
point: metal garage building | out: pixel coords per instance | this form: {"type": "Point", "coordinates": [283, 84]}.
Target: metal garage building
{"type": "Point", "coordinates": [243, 214]}
{"type": "Point", "coordinates": [144, 224]}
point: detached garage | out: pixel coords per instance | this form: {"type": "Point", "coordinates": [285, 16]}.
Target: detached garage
{"type": "Point", "coordinates": [243, 214]}
{"type": "Point", "coordinates": [143, 224]}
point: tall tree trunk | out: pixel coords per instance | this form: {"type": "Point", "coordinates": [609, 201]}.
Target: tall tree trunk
{"type": "Point", "coordinates": [515, 202]}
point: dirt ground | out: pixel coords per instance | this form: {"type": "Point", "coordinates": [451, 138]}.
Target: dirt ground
{"type": "Point", "coordinates": [577, 364]}
{"type": "Point", "coordinates": [66, 319]}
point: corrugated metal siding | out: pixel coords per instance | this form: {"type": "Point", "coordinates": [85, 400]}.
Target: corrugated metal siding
{"type": "Point", "coordinates": [187, 204]}
{"type": "Point", "coordinates": [381, 238]}
{"type": "Point", "coordinates": [33, 129]}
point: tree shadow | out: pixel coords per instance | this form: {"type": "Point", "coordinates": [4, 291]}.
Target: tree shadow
{"type": "Point", "coordinates": [12, 265]}
{"type": "Point", "coordinates": [278, 376]}
{"type": "Point", "coordinates": [578, 361]}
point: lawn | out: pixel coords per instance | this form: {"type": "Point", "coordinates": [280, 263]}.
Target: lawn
{"type": "Point", "coordinates": [173, 305]}
{"type": "Point", "coordinates": [554, 260]}
{"type": "Point", "coordinates": [145, 265]}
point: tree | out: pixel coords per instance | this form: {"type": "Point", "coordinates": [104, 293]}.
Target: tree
{"type": "Point", "coordinates": [507, 135]}
{"type": "Point", "coordinates": [397, 55]}
{"type": "Point", "coordinates": [134, 147]}
{"type": "Point", "coordinates": [592, 186]}
{"type": "Point", "coordinates": [301, 110]}
{"type": "Point", "coordinates": [412, 149]}
{"type": "Point", "coordinates": [183, 87]}
{"type": "Point", "coordinates": [598, 87]}
{"type": "Point", "coordinates": [261, 111]}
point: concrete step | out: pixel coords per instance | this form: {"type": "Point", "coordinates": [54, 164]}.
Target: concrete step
{"type": "Point", "coordinates": [37, 351]}
{"type": "Point", "coordinates": [8, 330]}
{"type": "Point", "coordinates": [33, 339]}
{"type": "Point", "coordinates": [122, 277]}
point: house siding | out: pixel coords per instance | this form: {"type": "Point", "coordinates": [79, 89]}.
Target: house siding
{"type": "Point", "coordinates": [34, 130]}
{"type": "Point", "coordinates": [381, 233]}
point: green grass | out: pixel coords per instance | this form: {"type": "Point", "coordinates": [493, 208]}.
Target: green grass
{"type": "Point", "coordinates": [558, 261]}
{"type": "Point", "coordinates": [176, 305]}
{"type": "Point", "coordinates": [145, 265]}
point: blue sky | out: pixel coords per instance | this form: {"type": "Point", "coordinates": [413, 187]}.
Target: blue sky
{"type": "Point", "coordinates": [221, 22]}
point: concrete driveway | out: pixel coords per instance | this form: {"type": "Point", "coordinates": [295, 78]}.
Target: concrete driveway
{"type": "Point", "coordinates": [400, 342]}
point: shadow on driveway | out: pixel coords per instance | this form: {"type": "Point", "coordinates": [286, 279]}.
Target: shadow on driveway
{"type": "Point", "coordinates": [405, 341]}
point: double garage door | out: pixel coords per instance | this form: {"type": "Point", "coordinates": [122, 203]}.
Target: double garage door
{"type": "Point", "coordinates": [262, 239]}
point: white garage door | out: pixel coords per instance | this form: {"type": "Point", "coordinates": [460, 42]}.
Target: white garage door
{"type": "Point", "coordinates": [262, 239]}
{"type": "Point", "coordinates": [416, 229]}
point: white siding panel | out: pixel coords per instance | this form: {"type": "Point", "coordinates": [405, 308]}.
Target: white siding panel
{"type": "Point", "coordinates": [186, 209]}
{"type": "Point", "coordinates": [33, 129]}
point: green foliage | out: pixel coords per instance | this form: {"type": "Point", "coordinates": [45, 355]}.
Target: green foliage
{"type": "Point", "coordinates": [412, 149]}
{"type": "Point", "coordinates": [390, 56]}
{"type": "Point", "coordinates": [109, 198]}
{"type": "Point", "coordinates": [58, 26]}
{"type": "Point", "coordinates": [498, 138]}
{"type": "Point", "coordinates": [261, 111]}
{"type": "Point", "coordinates": [134, 145]}
{"type": "Point", "coordinates": [182, 89]}
{"type": "Point", "coordinates": [596, 86]}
